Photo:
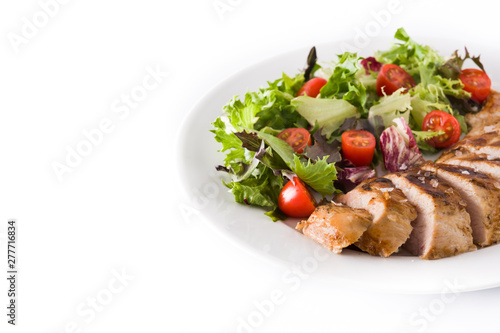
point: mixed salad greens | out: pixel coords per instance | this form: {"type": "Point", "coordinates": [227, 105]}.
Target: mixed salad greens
{"type": "Point", "coordinates": [295, 135]}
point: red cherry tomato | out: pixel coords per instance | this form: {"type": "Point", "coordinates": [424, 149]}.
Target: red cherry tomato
{"type": "Point", "coordinates": [295, 200]}
{"type": "Point", "coordinates": [312, 87]}
{"type": "Point", "coordinates": [298, 138]}
{"type": "Point", "coordinates": [358, 147]}
{"type": "Point", "coordinates": [392, 77]}
{"type": "Point", "coordinates": [477, 83]}
{"type": "Point", "coordinates": [441, 121]}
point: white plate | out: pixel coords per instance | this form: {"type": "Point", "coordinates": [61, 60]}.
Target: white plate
{"type": "Point", "coordinates": [248, 227]}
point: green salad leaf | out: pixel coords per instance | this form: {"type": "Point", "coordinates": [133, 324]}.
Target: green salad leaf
{"type": "Point", "coordinates": [409, 55]}
{"type": "Point", "coordinates": [422, 136]}
{"type": "Point", "coordinates": [391, 107]}
{"type": "Point", "coordinates": [259, 163]}
{"type": "Point", "coordinates": [231, 146]}
{"type": "Point", "coordinates": [329, 114]}
{"type": "Point", "coordinates": [319, 175]}
{"type": "Point", "coordinates": [344, 83]}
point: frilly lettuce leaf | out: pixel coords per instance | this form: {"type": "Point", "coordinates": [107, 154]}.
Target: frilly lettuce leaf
{"type": "Point", "coordinates": [408, 54]}
{"type": "Point", "coordinates": [343, 82]}
{"type": "Point", "coordinates": [319, 175]}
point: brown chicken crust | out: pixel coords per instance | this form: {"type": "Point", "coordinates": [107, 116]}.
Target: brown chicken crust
{"type": "Point", "coordinates": [392, 215]}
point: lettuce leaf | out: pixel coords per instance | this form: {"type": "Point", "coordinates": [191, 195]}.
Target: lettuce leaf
{"type": "Point", "coordinates": [322, 148]}
{"type": "Point", "coordinates": [329, 114]}
{"type": "Point", "coordinates": [267, 107]}
{"type": "Point", "coordinates": [319, 175]}
{"type": "Point", "coordinates": [393, 106]}
{"type": "Point", "coordinates": [231, 146]}
{"type": "Point", "coordinates": [409, 55]}
{"type": "Point", "coordinates": [343, 82]}
{"type": "Point", "coordinates": [255, 191]}
{"type": "Point", "coordinates": [422, 136]}
{"type": "Point", "coordinates": [453, 66]}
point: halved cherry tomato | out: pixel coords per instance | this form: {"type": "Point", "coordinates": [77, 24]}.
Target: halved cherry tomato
{"type": "Point", "coordinates": [477, 83]}
{"type": "Point", "coordinates": [392, 77]}
{"type": "Point", "coordinates": [312, 87]}
{"type": "Point", "coordinates": [295, 199]}
{"type": "Point", "coordinates": [441, 121]}
{"type": "Point", "coordinates": [298, 138]}
{"type": "Point", "coordinates": [358, 147]}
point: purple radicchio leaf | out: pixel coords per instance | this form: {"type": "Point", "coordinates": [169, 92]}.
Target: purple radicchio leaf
{"type": "Point", "coordinates": [371, 64]}
{"type": "Point", "coordinates": [399, 147]}
{"type": "Point", "coordinates": [356, 174]}
{"type": "Point", "coordinates": [349, 177]}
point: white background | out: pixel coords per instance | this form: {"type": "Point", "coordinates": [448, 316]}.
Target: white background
{"type": "Point", "coordinates": [118, 210]}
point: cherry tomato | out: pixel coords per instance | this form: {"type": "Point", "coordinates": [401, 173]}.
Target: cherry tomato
{"type": "Point", "coordinates": [358, 147]}
{"type": "Point", "coordinates": [441, 121]}
{"type": "Point", "coordinates": [295, 199]}
{"type": "Point", "coordinates": [477, 83]}
{"type": "Point", "coordinates": [298, 138]}
{"type": "Point", "coordinates": [392, 77]}
{"type": "Point", "coordinates": [312, 87]}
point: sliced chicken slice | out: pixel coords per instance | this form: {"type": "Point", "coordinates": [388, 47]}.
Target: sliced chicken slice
{"type": "Point", "coordinates": [392, 215]}
{"type": "Point", "coordinates": [484, 133]}
{"type": "Point", "coordinates": [335, 226]}
{"type": "Point", "coordinates": [488, 118]}
{"type": "Point", "coordinates": [486, 143]}
{"type": "Point", "coordinates": [479, 163]}
{"type": "Point", "coordinates": [442, 228]}
{"type": "Point", "coordinates": [480, 193]}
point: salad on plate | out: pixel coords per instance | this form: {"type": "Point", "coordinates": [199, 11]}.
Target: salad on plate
{"type": "Point", "coordinates": [307, 137]}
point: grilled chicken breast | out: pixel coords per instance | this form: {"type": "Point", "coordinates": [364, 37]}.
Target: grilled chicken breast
{"type": "Point", "coordinates": [488, 119]}
{"type": "Point", "coordinates": [442, 228]}
{"type": "Point", "coordinates": [335, 226]}
{"type": "Point", "coordinates": [481, 163]}
{"type": "Point", "coordinates": [481, 195]}
{"type": "Point", "coordinates": [483, 144]}
{"type": "Point", "coordinates": [484, 133]}
{"type": "Point", "coordinates": [391, 212]}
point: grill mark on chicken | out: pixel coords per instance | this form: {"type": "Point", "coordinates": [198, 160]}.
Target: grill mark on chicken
{"type": "Point", "coordinates": [424, 182]}
{"type": "Point", "coordinates": [481, 195]}
{"type": "Point", "coordinates": [442, 228]}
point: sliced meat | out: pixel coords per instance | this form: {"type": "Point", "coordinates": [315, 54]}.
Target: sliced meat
{"type": "Point", "coordinates": [392, 215]}
{"type": "Point", "coordinates": [335, 226]}
{"type": "Point", "coordinates": [486, 143]}
{"type": "Point", "coordinates": [480, 193]}
{"type": "Point", "coordinates": [488, 116]}
{"type": "Point", "coordinates": [442, 228]}
{"type": "Point", "coordinates": [484, 132]}
{"type": "Point", "coordinates": [492, 126]}
{"type": "Point", "coordinates": [477, 162]}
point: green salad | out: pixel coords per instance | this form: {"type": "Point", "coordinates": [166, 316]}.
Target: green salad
{"type": "Point", "coordinates": [322, 131]}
